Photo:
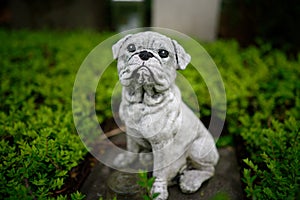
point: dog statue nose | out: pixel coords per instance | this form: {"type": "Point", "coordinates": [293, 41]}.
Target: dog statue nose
{"type": "Point", "coordinates": [145, 55]}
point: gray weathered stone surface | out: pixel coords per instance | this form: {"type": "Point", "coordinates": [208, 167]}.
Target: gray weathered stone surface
{"type": "Point", "coordinates": [225, 181]}
{"type": "Point", "coordinates": [158, 123]}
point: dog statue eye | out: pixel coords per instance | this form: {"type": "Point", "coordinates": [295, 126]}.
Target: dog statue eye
{"type": "Point", "coordinates": [131, 48]}
{"type": "Point", "coordinates": [163, 53]}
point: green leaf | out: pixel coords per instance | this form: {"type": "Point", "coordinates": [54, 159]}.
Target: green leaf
{"type": "Point", "coordinates": [155, 195]}
{"type": "Point", "coordinates": [145, 197]}
{"type": "Point", "coordinates": [150, 182]}
{"type": "Point", "coordinates": [142, 183]}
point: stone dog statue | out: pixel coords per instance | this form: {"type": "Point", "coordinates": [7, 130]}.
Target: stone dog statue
{"type": "Point", "coordinates": [156, 118]}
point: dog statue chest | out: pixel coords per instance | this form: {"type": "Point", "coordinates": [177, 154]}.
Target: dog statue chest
{"type": "Point", "coordinates": [150, 120]}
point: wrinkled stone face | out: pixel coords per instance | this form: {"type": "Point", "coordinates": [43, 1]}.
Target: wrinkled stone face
{"type": "Point", "coordinates": [147, 60]}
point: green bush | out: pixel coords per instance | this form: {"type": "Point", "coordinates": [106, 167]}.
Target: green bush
{"type": "Point", "coordinates": [263, 93]}
{"type": "Point", "coordinates": [38, 142]}
{"type": "Point", "coordinates": [274, 165]}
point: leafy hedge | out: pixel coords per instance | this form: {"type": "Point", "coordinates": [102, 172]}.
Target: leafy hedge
{"type": "Point", "coordinates": [263, 95]}
{"type": "Point", "coordinates": [39, 144]}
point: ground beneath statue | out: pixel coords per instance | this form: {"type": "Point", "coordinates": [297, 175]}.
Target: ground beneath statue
{"type": "Point", "coordinates": [226, 181]}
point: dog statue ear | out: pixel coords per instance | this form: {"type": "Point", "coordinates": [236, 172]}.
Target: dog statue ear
{"type": "Point", "coordinates": [183, 58]}
{"type": "Point", "coordinates": [116, 47]}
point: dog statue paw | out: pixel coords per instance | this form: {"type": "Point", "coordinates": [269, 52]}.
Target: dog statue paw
{"type": "Point", "coordinates": [160, 187]}
{"type": "Point", "coordinates": [156, 118]}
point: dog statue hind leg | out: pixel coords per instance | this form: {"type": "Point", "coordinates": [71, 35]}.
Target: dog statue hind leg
{"type": "Point", "coordinates": [203, 157]}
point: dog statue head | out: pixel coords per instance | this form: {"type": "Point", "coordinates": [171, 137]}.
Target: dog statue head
{"type": "Point", "coordinates": [149, 60]}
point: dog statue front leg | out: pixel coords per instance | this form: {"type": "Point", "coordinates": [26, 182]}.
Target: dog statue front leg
{"type": "Point", "coordinates": [160, 185]}
{"type": "Point", "coordinates": [161, 174]}
{"type": "Point", "coordinates": [167, 162]}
